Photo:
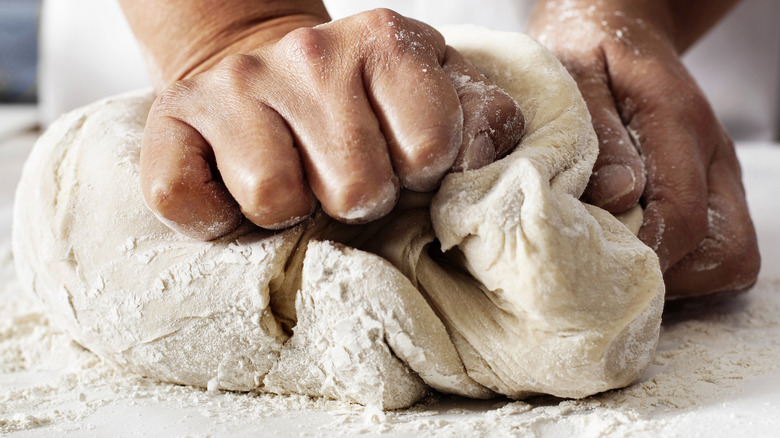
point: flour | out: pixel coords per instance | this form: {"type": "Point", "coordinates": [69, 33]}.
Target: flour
{"type": "Point", "coordinates": [50, 386]}
{"type": "Point", "coordinates": [501, 283]}
{"type": "Point", "coordinates": [703, 358]}
{"type": "Point", "coordinates": [51, 383]}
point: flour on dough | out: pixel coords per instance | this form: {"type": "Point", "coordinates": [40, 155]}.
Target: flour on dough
{"type": "Point", "coordinates": [501, 283]}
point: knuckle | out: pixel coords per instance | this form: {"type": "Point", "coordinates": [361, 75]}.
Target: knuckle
{"type": "Point", "coordinates": [235, 73]}
{"type": "Point", "coordinates": [381, 21]}
{"type": "Point", "coordinates": [304, 45]}
{"type": "Point", "coordinates": [386, 15]}
{"type": "Point", "coordinates": [166, 195]}
{"type": "Point", "coordinates": [394, 35]}
{"type": "Point", "coordinates": [171, 99]}
{"type": "Point", "coordinates": [239, 64]}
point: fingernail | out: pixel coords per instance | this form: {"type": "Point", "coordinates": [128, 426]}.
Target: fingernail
{"type": "Point", "coordinates": [612, 182]}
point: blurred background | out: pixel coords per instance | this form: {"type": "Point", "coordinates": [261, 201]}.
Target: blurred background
{"type": "Point", "coordinates": [18, 50]}
{"type": "Point", "coordinates": [56, 55]}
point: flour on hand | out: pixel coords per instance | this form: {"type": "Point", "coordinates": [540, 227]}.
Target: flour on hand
{"type": "Point", "coordinates": [502, 283]}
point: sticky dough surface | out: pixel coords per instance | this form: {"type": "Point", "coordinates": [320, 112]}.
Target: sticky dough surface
{"type": "Point", "coordinates": [503, 282]}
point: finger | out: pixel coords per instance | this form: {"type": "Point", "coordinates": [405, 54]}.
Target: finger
{"type": "Point", "coordinates": [675, 200]}
{"type": "Point", "coordinates": [414, 101]}
{"type": "Point", "coordinates": [342, 148]}
{"type": "Point", "coordinates": [671, 126]}
{"type": "Point", "coordinates": [178, 182]}
{"type": "Point", "coordinates": [728, 258]}
{"type": "Point", "coordinates": [618, 177]}
{"type": "Point", "coordinates": [254, 152]}
{"type": "Point", "coordinates": [492, 121]}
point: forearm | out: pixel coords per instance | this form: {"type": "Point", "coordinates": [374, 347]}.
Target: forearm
{"type": "Point", "coordinates": [181, 38]}
{"type": "Point", "coordinates": [679, 22]}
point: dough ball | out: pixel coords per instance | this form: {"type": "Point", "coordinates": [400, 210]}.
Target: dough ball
{"type": "Point", "coordinates": [501, 283]}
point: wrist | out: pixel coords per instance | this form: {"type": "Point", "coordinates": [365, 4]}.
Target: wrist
{"type": "Point", "coordinates": [180, 41]}
{"type": "Point", "coordinates": [244, 38]}
{"type": "Point", "coordinates": [586, 24]}
{"type": "Point", "coordinates": [678, 24]}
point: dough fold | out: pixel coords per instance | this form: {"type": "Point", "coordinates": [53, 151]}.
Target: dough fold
{"type": "Point", "coordinates": [503, 282]}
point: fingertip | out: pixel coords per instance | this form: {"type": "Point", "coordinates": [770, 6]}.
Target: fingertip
{"type": "Point", "coordinates": [177, 181]}
{"type": "Point", "coordinates": [276, 206]}
{"type": "Point", "coordinates": [356, 205]}
{"type": "Point", "coordinates": [205, 213]}
{"type": "Point", "coordinates": [423, 168]}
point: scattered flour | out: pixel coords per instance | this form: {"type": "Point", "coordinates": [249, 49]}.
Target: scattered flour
{"type": "Point", "coordinates": [51, 385]}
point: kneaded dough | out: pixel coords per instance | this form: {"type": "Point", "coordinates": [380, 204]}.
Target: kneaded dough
{"type": "Point", "coordinates": [503, 282]}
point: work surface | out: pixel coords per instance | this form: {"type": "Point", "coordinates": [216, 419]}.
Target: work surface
{"type": "Point", "coordinates": [716, 373]}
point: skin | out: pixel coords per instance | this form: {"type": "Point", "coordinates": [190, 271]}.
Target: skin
{"type": "Point", "coordinates": [660, 142]}
{"type": "Point", "coordinates": [267, 108]}
{"type": "Point", "coordinates": [277, 114]}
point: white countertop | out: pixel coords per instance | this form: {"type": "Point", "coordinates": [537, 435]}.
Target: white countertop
{"type": "Point", "coordinates": [691, 389]}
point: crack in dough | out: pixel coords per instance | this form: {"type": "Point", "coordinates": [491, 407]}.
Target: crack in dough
{"type": "Point", "coordinates": [503, 282]}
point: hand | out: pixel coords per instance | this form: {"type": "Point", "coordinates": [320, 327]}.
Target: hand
{"type": "Point", "coordinates": [344, 113]}
{"type": "Point", "coordinates": [660, 143]}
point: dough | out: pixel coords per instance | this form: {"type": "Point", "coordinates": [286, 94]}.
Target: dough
{"type": "Point", "coordinates": [501, 283]}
